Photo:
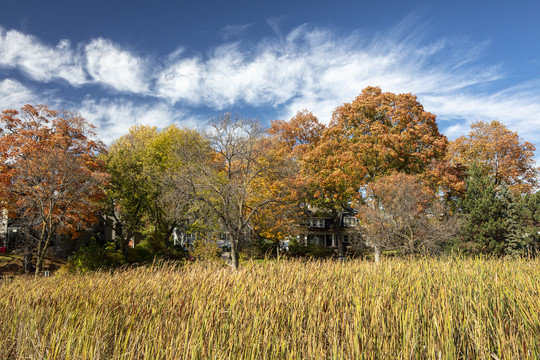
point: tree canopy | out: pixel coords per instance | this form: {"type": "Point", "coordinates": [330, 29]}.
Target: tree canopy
{"type": "Point", "coordinates": [51, 173]}
{"type": "Point", "coordinates": [380, 158]}
{"type": "Point", "coordinates": [234, 175]}
{"type": "Point", "coordinates": [137, 163]}
{"type": "Point", "coordinates": [374, 135]}
{"type": "Point", "coordinates": [501, 152]}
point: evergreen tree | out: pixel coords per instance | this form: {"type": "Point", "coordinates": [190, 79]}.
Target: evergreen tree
{"type": "Point", "coordinates": [515, 239]}
{"type": "Point", "coordinates": [530, 220]}
{"type": "Point", "coordinates": [485, 228]}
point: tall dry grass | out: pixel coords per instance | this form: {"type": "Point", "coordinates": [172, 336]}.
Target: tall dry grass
{"type": "Point", "coordinates": [432, 309]}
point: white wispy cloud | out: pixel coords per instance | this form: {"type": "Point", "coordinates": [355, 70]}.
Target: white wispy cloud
{"type": "Point", "coordinates": [40, 62]}
{"type": "Point", "coordinates": [100, 61]}
{"type": "Point", "coordinates": [181, 81]}
{"type": "Point", "coordinates": [230, 31]}
{"type": "Point", "coordinates": [308, 67]}
{"type": "Point", "coordinates": [116, 116]}
{"type": "Point", "coordinates": [13, 95]}
{"type": "Point", "coordinates": [108, 64]}
{"type": "Point", "coordinates": [316, 67]}
{"type": "Point", "coordinates": [518, 110]}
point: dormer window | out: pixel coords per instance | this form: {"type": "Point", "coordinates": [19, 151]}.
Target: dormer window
{"type": "Point", "coordinates": [315, 222]}
{"type": "Point", "coordinates": [350, 221]}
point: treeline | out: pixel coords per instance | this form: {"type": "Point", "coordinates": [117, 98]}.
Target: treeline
{"type": "Point", "coordinates": [381, 158]}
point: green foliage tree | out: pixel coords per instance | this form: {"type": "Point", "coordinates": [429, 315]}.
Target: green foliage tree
{"type": "Point", "coordinates": [516, 239]}
{"type": "Point", "coordinates": [137, 201]}
{"type": "Point", "coordinates": [530, 222]}
{"type": "Point", "coordinates": [485, 227]}
{"type": "Point", "coordinates": [497, 220]}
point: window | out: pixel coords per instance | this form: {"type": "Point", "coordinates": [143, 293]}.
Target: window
{"type": "Point", "coordinates": [349, 221]}
{"type": "Point", "coordinates": [183, 239]}
{"type": "Point", "coordinates": [315, 222]}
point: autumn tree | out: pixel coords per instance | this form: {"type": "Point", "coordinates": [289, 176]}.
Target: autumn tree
{"type": "Point", "coordinates": [290, 141]}
{"type": "Point", "coordinates": [136, 197]}
{"type": "Point", "coordinates": [51, 173]}
{"type": "Point", "coordinates": [501, 152]}
{"type": "Point", "coordinates": [379, 133]}
{"type": "Point", "coordinates": [298, 135]}
{"type": "Point", "coordinates": [277, 219]}
{"type": "Point", "coordinates": [227, 175]}
{"type": "Point", "coordinates": [399, 212]}
{"type": "Point", "coordinates": [374, 135]}
{"type": "Point", "coordinates": [189, 151]}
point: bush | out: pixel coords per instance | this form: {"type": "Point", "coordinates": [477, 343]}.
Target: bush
{"type": "Point", "coordinates": [259, 249]}
{"type": "Point", "coordinates": [206, 251]}
{"type": "Point", "coordinates": [138, 254]}
{"type": "Point", "coordinates": [92, 257]}
{"type": "Point", "coordinates": [314, 251]}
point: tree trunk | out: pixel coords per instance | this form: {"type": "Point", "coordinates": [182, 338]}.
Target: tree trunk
{"type": "Point", "coordinates": [42, 248]}
{"type": "Point", "coordinates": [336, 218]}
{"type": "Point", "coordinates": [341, 246]}
{"type": "Point", "coordinates": [27, 260]}
{"type": "Point", "coordinates": [377, 254]}
{"type": "Point", "coordinates": [235, 255]}
{"type": "Point", "coordinates": [40, 255]}
{"type": "Point", "coordinates": [39, 264]}
{"type": "Point", "coordinates": [124, 241]}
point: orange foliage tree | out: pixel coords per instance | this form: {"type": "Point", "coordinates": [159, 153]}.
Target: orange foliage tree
{"type": "Point", "coordinates": [500, 152]}
{"type": "Point", "coordinates": [278, 218]}
{"type": "Point", "coordinates": [374, 135]}
{"type": "Point", "coordinates": [52, 178]}
{"type": "Point", "coordinates": [292, 140]}
{"type": "Point", "coordinates": [298, 135]}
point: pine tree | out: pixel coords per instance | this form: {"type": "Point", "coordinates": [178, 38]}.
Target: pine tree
{"type": "Point", "coordinates": [484, 211]}
{"type": "Point", "coordinates": [515, 239]}
{"type": "Point", "coordinates": [530, 220]}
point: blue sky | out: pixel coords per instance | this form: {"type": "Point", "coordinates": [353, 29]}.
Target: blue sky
{"type": "Point", "coordinates": [121, 63]}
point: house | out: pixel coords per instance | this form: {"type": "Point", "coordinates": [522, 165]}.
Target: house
{"type": "Point", "coordinates": [61, 246]}
{"type": "Point", "coordinates": [312, 229]}
{"type": "Point", "coordinates": [321, 230]}
{"type": "Point", "coordinates": [187, 240]}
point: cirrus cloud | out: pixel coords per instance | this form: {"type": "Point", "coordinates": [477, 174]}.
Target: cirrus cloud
{"type": "Point", "coordinates": [40, 62]}
{"type": "Point", "coordinates": [108, 64]}
{"type": "Point", "coordinates": [308, 67]}
{"type": "Point", "coordinates": [13, 94]}
{"type": "Point", "coordinates": [116, 116]}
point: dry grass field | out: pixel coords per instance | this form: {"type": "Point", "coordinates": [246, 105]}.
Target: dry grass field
{"type": "Point", "coordinates": [400, 309]}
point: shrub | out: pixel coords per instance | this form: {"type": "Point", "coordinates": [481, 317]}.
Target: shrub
{"type": "Point", "coordinates": [314, 251]}
{"type": "Point", "coordinates": [259, 249]}
{"type": "Point", "coordinates": [206, 250]}
{"type": "Point", "coordinates": [93, 257]}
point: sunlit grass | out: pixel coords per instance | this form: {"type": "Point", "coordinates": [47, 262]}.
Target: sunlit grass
{"type": "Point", "coordinates": [279, 310]}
